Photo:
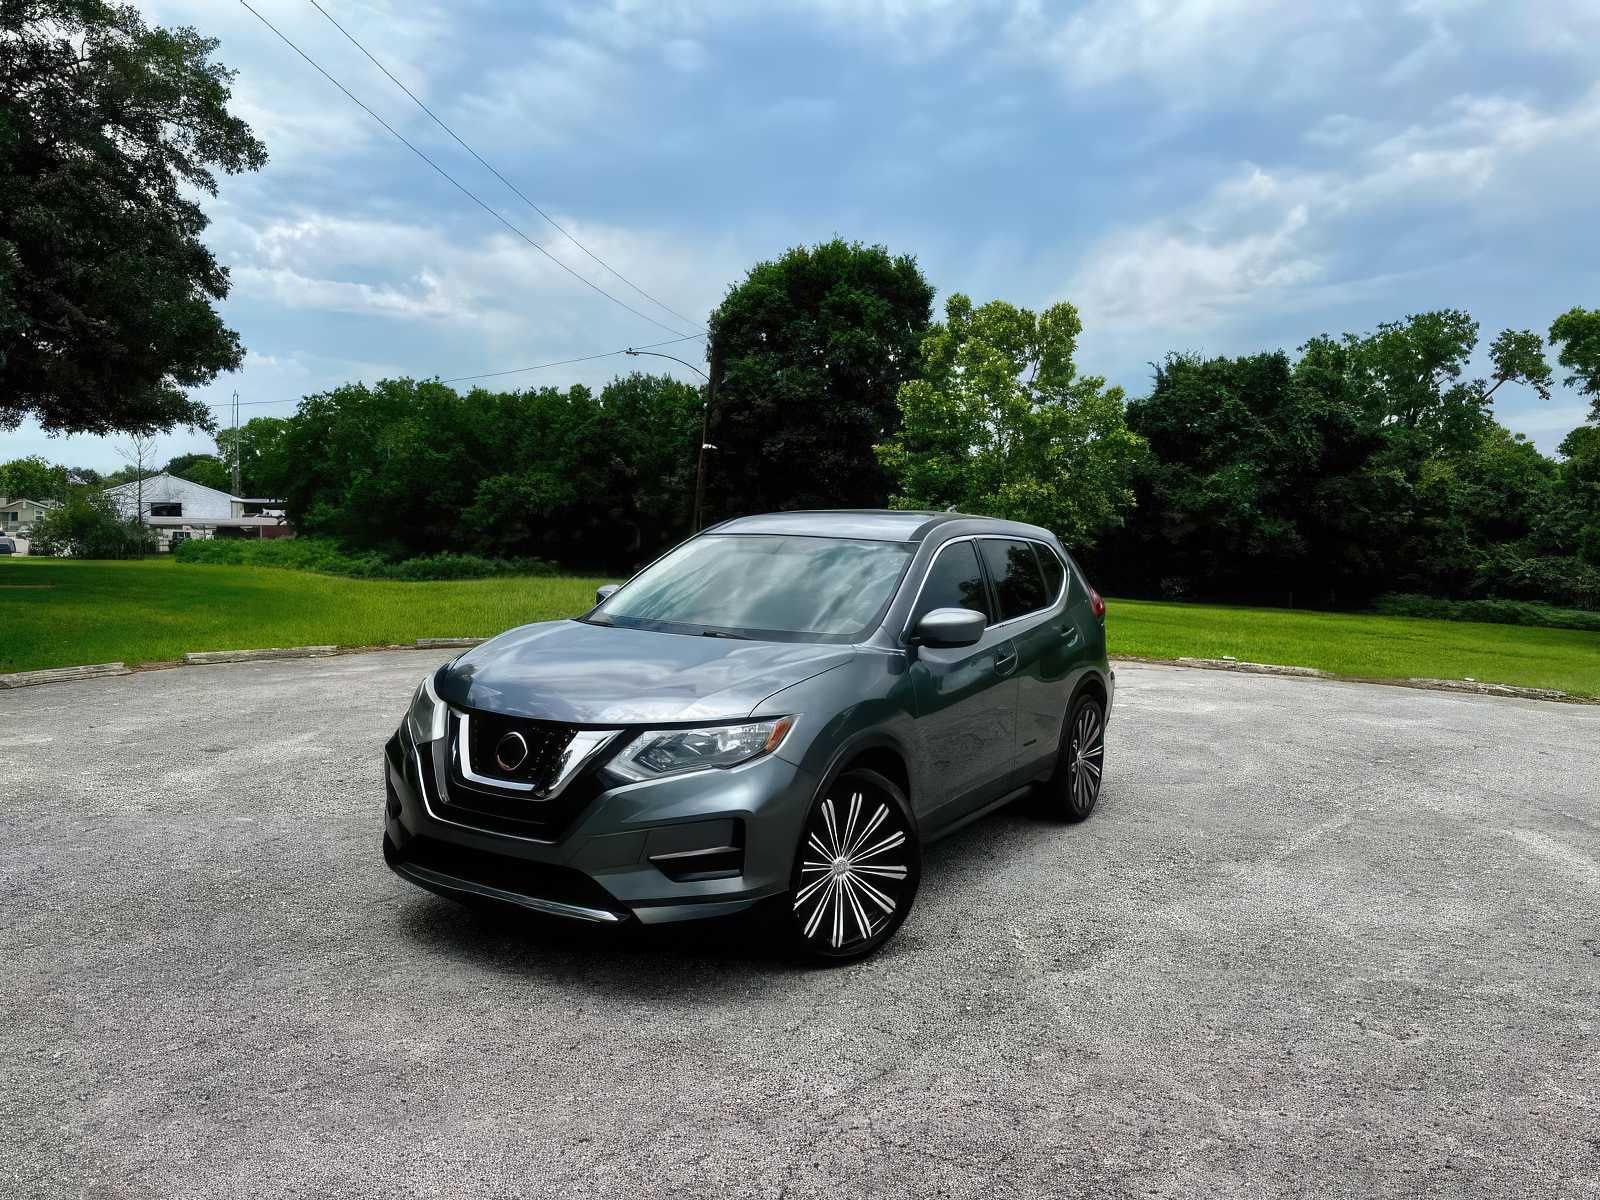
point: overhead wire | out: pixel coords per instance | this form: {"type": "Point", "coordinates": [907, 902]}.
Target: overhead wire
{"type": "Point", "coordinates": [457, 184]}
{"type": "Point", "coordinates": [460, 141]}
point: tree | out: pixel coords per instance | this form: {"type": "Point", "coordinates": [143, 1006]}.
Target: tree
{"type": "Point", "coordinates": [404, 467]}
{"type": "Point", "coordinates": [108, 127]}
{"type": "Point", "coordinates": [264, 468]}
{"type": "Point", "coordinates": [1408, 374]}
{"type": "Point", "coordinates": [1494, 495]}
{"type": "Point", "coordinates": [1225, 499]}
{"type": "Point", "coordinates": [1001, 423]}
{"type": "Point", "coordinates": [87, 525]}
{"type": "Point", "coordinates": [810, 351]}
{"type": "Point", "coordinates": [33, 478]}
{"type": "Point", "coordinates": [139, 453]}
{"type": "Point", "coordinates": [1371, 464]}
{"type": "Point", "coordinates": [205, 469]}
{"type": "Point", "coordinates": [1577, 333]}
{"type": "Point", "coordinates": [646, 434]}
{"type": "Point", "coordinates": [1574, 523]}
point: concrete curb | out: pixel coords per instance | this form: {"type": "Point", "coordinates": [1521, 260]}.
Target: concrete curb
{"type": "Point", "coordinates": [62, 674]}
{"type": "Point", "coordinates": [200, 657]}
{"type": "Point", "coordinates": [1474, 688]}
{"type": "Point", "coordinates": [1233, 664]}
{"type": "Point", "coordinates": [1465, 686]}
{"type": "Point", "coordinates": [448, 643]}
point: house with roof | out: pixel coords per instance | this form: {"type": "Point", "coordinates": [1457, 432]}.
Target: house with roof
{"type": "Point", "coordinates": [19, 516]}
{"type": "Point", "coordinates": [177, 509]}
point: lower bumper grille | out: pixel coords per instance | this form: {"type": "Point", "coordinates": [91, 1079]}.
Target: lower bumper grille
{"type": "Point", "coordinates": [443, 865]}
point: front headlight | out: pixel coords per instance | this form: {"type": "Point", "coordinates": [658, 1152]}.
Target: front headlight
{"type": "Point", "coordinates": [426, 716]}
{"type": "Point", "coordinates": [670, 751]}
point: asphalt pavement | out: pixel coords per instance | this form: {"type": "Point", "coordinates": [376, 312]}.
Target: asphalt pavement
{"type": "Point", "coordinates": [1318, 939]}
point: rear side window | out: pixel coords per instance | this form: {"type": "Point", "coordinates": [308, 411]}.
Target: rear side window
{"type": "Point", "coordinates": [1054, 571]}
{"type": "Point", "coordinates": [954, 581]}
{"type": "Point", "coordinates": [1018, 582]}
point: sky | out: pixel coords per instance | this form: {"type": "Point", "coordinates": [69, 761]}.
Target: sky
{"type": "Point", "coordinates": [1218, 176]}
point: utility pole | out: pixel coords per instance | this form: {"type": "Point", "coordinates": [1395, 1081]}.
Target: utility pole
{"type": "Point", "coordinates": [235, 441]}
{"type": "Point", "coordinates": [705, 436]}
{"type": "Point", "coordinates": [705, 421]}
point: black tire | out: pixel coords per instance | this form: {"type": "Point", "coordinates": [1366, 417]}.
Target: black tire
{"type": "Point", "coordinates": [1074, 787]}
{"type": "Point", "coordinates": [856, 869]}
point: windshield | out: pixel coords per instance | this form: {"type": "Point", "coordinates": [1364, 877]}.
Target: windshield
{"type": "Point", "coordinates": [763, 586]}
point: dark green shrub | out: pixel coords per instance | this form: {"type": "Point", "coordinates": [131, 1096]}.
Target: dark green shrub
{"type": "Point", "coordinates": [88, 525]}
{"type": "Point", "coordinates": [1494, 612]}
{"type": "Point", "coordinates": [324, 555]}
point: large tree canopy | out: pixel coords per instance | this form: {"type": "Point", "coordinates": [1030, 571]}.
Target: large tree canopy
{"type": "Point", "coordinates": [1001, 423]}
{"type": "Point", "coordinates": [1372, 464]}
{"type": "Point", "coordinates": [265, 468]}
{"type": "Point", "coordinates": [33, 478]}
{"type": "Point", "coordinates": [106, 290]}
{"type": "Point", "coordinates": [810, 351]}
{"type": "Point", "coordinates": [407, 467]}
{"type": "Point", "coordinates": [1576, 334]}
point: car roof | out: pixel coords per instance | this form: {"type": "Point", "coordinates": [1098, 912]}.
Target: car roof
{"type": "Point", "coordinates": [874, 524]}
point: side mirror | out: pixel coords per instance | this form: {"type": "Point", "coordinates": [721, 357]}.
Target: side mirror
{"type": "Point", "coordinates": [947, 628]}
{"type": "Point", "coordinates": [603, 592]}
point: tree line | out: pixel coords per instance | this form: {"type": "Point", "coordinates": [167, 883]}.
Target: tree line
{"type": "Point", "coordinates": [1361, 464]}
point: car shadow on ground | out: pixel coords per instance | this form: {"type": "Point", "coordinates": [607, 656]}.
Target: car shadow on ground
{"type": "Point", "coordinates": [666, 959]}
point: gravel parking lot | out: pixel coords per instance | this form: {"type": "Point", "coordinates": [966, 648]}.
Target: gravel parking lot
{"type": "Point", "coordinates": [1319, 939]}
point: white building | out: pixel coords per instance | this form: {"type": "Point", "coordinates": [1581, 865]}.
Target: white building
{"type": "Point", "coordinates": [177, 509]}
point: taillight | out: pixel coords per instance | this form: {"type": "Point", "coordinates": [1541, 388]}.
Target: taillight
{"type": "Point", "coordinates": [1096, 604]}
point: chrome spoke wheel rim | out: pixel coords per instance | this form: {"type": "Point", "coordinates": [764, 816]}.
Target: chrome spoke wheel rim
{"type": "Point", "coordinates": [854, 870]}
{"type": "Point", "coordinates": [1087, 751]}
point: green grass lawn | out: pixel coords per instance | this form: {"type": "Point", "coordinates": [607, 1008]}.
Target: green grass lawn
{"type": "Point", "coordinates": [59, 613]}
{"type": "Point", "coordinates": [56, 613]}
{"type": "Point", "coordinates": [1360, 644]}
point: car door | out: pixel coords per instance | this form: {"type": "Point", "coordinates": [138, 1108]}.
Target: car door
{"type": "Point", "coordinates": [1029, 584]}
{"type": "Point", "coordinates": [965, 696]}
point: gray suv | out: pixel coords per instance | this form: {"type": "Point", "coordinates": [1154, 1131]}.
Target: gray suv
{"type": "Point", "coordinates": [789, 705]}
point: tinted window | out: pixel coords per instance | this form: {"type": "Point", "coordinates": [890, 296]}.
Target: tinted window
{"type": "Point", "coordinates": [758, 585]}
{"type": "Point", "coordinates": [1054, 571]}
{"type": "Point", "coordinates": [1015, 571]}
{"type": "Point", "coordinates": [954, 581]}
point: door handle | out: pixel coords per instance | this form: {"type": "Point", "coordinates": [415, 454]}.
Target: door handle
{"type": "Point", "coordinates": [1070, 635]}
{"type": "Point", "coordinates": [1005, 657]}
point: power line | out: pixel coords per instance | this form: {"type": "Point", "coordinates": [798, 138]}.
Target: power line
{"type": "Point", "coordinates": [562, 362]}
{"type": "Point", "coordinates": [437, 120]}
{"type": "Point", "coordinates": [461, 187]}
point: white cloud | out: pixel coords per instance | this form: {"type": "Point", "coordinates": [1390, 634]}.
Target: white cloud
{"type": "Point", "coordinates": [1261, 235]}
{"type": "Point", "coordinates": [494, 284]}
{"type": "Point", "coordinates": [298, 114]}
{"type": "Point", "coordinates": [1150, 278]}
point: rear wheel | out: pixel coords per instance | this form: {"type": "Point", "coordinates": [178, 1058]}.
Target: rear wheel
{"type": "Point", "coordinates": [856, 870]}
{"type": "Point", "coordinates": [1074, 789]}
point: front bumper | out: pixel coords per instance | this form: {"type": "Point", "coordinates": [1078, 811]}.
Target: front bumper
{"type": "Point", "coordinates": [631, 852]}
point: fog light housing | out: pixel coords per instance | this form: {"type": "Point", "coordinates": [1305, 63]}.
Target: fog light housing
{"type": "Point", "coordinates": [698, 851]}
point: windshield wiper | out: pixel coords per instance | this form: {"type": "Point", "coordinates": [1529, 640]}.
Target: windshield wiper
{"type": "Point", "coordinates": [723, 633]}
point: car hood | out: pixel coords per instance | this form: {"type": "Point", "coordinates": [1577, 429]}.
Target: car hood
{"type": "Point", "coordinates": [585, 674]}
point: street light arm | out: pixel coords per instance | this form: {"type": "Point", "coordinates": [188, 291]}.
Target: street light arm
{"type": "Point", "coordinates": [673, 357]}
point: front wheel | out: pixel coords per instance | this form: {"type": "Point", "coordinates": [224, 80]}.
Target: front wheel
{"type": "Point", "coordinates": [1074, 789]}
{"type": "Point", "coordinates": [856, 870]}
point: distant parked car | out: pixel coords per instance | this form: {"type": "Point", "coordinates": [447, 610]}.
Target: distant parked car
{"type": "Point", "coordinates": [785, 706]}
{"type": "Point", "coordinates": [7, 546]}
